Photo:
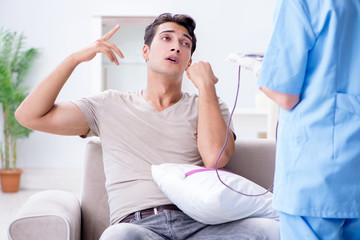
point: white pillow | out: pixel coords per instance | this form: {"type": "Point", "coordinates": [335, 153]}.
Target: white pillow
{"type": "Point", "coordinates": [204, 198]}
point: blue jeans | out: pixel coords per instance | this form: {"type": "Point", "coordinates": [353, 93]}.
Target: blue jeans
{"type": "Point", "coordinates": [176, 225]}
{"type": "Point", "coordinates": [312, 228]}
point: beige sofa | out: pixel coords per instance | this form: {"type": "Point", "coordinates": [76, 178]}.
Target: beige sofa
{"type": "Point", "coordinates": [55, 214]}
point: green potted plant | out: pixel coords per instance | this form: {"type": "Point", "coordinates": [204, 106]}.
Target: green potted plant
{"type": "Point", "coordinates": [14, 64]}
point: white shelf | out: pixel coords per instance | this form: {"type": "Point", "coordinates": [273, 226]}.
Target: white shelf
{"type": "Point", "coordinates": [250, 120]}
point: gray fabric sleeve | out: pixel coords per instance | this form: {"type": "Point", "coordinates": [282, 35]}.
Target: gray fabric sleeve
{"type": "Point", "coordinates": [91, 108]}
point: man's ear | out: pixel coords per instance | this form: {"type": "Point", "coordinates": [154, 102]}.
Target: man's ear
{"type": "Point", "coordinates": [190, 61]}
{"type": "Point", "coordinates": [145, 52]}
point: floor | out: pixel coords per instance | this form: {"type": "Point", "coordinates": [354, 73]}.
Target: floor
{"type": "Point", "coordinates": [33, 181]}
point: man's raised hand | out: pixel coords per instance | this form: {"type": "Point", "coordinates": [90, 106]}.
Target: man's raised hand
{"type": "Point", "coordinates": [201, 73]}
{"type": "Point", "coordinates": [101, 45]}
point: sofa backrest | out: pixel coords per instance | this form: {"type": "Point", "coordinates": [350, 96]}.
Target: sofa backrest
{"type": "Point", "coordinates": [253, 159]}
{"type": "Point", "coordinates": [95, 213]}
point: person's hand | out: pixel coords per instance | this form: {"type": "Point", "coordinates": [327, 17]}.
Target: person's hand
{"type": "Point", "coordinates": [252, 64]}
{"type": "Point", "coordinates": [100, 46]}
{"type": "Point", "coordinates": [201, 73]}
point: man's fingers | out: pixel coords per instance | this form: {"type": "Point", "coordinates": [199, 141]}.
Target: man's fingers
{"type": "Point", "coordinates": [215, 80]}
{"type": "Point", "coordinates": [108, 35]}
{"type": "Point", "coordinates": [111, 56]}
{"type": "Point", "coordinates": [102, 48]}
{"type": "Point", "coordinates": [114, 48]}
{"type": "Point", "coordinates": [108, 48]}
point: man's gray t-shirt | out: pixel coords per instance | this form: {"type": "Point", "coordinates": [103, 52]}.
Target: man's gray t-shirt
{"type": "Point", "coordinates": [135, 136]}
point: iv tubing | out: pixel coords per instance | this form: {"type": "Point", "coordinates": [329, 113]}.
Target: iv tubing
{"type": "Point", "coordinates": [226, 141]}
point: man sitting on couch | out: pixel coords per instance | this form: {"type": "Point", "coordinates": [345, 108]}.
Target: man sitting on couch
{"type": "Point", "coordinates": [159, 124]}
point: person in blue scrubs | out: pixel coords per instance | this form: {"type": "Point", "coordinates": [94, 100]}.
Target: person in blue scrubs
{"type": "Point", "coordinates": [311, 68]}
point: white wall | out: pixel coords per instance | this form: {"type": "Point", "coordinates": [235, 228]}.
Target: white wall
{"type": "Point", "coordinates": [59, 28]}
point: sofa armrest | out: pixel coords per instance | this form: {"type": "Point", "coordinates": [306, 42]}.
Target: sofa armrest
{"type": "Point", "coordinates": [50, 214]}
{"type": "Point", "coordinates": [255, 160]}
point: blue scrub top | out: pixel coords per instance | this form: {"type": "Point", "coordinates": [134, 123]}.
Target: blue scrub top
{"type": "Point", "coordinates": [314, 51]}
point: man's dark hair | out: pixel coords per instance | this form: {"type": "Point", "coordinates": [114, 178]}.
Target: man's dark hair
{"type": "Point", "coordinates": [183, 20]}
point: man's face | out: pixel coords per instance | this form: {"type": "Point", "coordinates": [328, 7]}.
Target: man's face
{"type": "Point", "coordinates": [170, 50]}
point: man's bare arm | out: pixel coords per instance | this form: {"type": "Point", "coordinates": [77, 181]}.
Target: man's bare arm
{"type": "Point", "coordinates": [39, 112]}
{"type": "Point", "coordinates": [211, 124]}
